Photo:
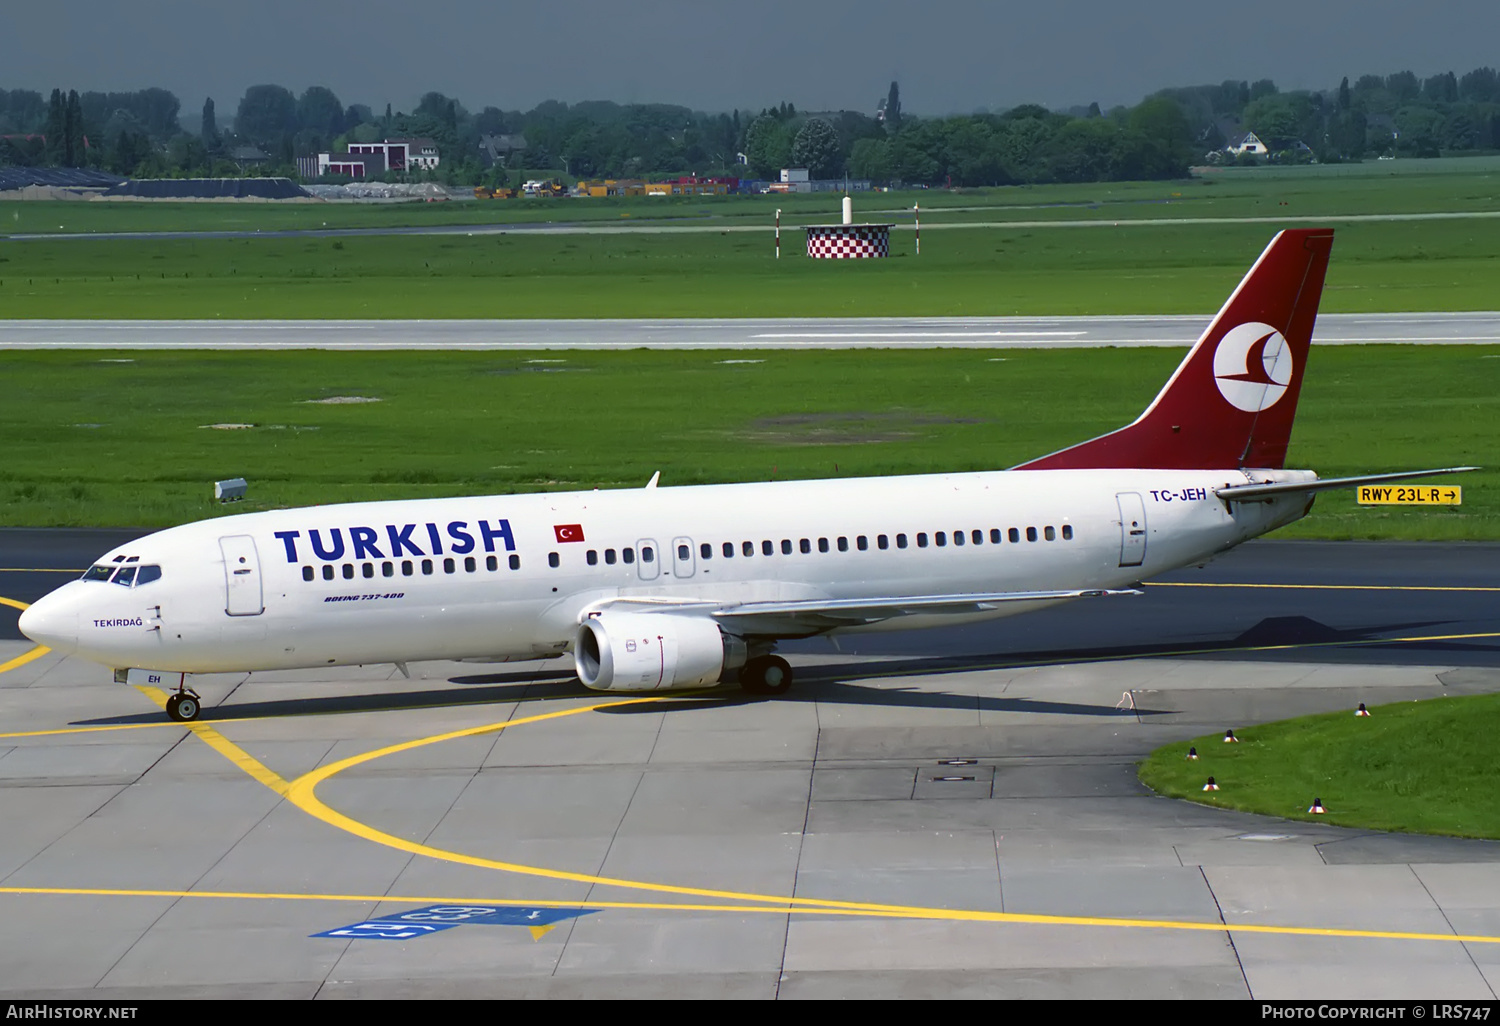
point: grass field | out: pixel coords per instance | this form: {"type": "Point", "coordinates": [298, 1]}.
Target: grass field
{"type": "Point", "coordinates": [1115, 265]}
{"type": "Point", "coordinates": [1424, 767]}
{"type": "Point", "coordinates": [120, 438]}
{"type": "Point", "coordinates": [1401, 186]}
{"type": "Point", "coordinates": [1387, 266]}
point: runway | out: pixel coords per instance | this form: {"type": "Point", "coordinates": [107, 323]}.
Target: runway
{"type": "Point", "coordinates": [938, 814]}
{"type": "Point", "coordinates": [1481, 328]}
{"type": "Point", "coordinates": [937, 220]}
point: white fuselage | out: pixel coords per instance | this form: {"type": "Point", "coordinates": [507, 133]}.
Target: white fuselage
{"type": "Point", "coordinates": [234, 593]}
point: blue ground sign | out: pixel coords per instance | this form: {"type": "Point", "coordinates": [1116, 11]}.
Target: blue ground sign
{"type": "Point", "coordinates": [421, 922]}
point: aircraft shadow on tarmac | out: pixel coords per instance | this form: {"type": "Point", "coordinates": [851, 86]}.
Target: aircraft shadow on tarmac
{"type": "Point", "coordinates": [1297, 638]}
{"type": "Point", "coordinates": [497, 690]}
{"type": "Point", "coordinates": [830, 690]}
{"type": "Point", "coordinates": [1303, 638]}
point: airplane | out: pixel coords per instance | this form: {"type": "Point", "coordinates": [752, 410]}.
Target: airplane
{"type": "Point", "coordinates": [662, 588]}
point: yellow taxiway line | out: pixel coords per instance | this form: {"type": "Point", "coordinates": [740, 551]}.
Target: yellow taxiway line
{"type": "Point", "coordinates": [24, 657]}
{"type": "Point", "coordinates": [301, 792]}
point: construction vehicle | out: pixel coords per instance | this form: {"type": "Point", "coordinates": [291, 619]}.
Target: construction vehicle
{"type": "Point", "coordinates": [484, 192]}
{"type": "Point", "coordinates": [549, 187]}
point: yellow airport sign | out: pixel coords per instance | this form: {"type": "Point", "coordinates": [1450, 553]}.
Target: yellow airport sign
{"type": "Point", "coordinates": [1410, 495]}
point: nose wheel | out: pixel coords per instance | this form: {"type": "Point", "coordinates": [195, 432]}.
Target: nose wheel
{"type": "Point", "coordinates": [184, 706]}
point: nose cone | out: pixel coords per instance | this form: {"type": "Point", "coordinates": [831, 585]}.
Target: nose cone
{"type": "Point", "coordinates": [51, 621]}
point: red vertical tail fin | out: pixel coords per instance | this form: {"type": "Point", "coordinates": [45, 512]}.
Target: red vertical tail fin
{"type": "Point", "coordinates": [1231, 402]}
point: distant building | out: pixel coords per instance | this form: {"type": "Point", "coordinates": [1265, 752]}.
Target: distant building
{"type": "Point", "coordinates": [402, 154]}
{"type": "Point", "coordinates": [1248, 143]}
{"type": "Point", "coordinates": [359, 166]}
{"type": "Point", "coordinates": [840, 185]}
{"type": "Point", "coordinates": [793, 179]}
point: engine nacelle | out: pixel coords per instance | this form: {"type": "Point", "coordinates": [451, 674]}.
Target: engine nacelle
{"type": "Point", "coordinates": [653, 652]}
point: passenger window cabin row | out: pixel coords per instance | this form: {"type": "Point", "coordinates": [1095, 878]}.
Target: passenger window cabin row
{"type": "Point", "coordinates": [627, 556]}
{"type": "Point", "coordinates": [408, 568]}
{"type": "Point", "coordinates": [805, 546]}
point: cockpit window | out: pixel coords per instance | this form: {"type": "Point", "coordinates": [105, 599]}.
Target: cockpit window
{"type": "Point", "coordinates": [124, 576]}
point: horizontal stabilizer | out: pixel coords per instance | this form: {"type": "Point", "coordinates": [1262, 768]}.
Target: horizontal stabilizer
{"type": "Point", "coordinates": [1252, 492]}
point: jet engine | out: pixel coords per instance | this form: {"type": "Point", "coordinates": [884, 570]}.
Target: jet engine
{"type": "Point", "coordinates": [653, 652]}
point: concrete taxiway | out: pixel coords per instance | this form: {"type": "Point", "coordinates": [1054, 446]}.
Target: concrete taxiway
{"type": "Point", "coordinates": [766, 333]}
{"type": "Point", "coordinates": [949, 813]}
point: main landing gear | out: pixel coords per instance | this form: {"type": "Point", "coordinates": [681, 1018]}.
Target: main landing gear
{"type": "Point", "coordinates": [766, 675]}
{"type": "Point", "coordinates": [185, 705]}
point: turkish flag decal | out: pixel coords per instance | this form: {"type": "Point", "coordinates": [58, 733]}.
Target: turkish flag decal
{"type": "Point", "coordinates": [568, 532]}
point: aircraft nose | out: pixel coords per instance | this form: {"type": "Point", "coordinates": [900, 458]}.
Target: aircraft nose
{"type": "Point", "coordinates": [50, 622]}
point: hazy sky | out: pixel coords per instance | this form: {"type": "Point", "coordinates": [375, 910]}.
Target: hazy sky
{"type": "Point", "coordinates": [949, 55]}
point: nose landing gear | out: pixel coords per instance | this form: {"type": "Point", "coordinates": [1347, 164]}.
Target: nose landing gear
{"type": "Point", "coordinates": [184, 706]}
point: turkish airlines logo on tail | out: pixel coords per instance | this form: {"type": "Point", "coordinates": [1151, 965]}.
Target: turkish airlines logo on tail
{"type": "Point", "coordinates": [568, 532]}
{"type": "Point", "coordinates": [1253, 366]}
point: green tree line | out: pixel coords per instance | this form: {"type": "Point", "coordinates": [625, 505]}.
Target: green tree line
{"type": "Point", "coordinates": [1396, 115]}
{"type": "Point", "coordinates": [139, 133]}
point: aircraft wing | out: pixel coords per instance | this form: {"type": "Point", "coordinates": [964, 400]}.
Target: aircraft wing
{"type": "Point", "coordinates": [1252, 492]}
{"type": "Point", "coordinates": [813, 615]}
{"type": "Point", "coordinates": [801, 617]}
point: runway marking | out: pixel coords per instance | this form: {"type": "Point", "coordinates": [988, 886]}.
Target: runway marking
{"type": "Point", "coordinates": [893, 912]}
{"type": "Point", "coordinates": [91, 730]}
{"type": "Point", "coordinates": [722, 227]}
{"type": "Point", "coordinates": [281, 716]}
{"type": "Point", "coordinates": [926, 334]}
{"type": "Point", "coordinates": [225, 747]}
{"type": "Point", "coordinates": [24, 658]}
{"type": "Point", "coordinates": [301, 792]}
{"type": "Point", "coordinates": [23, 606]}
{"type": "Point", "coordinates": [1323, 587]}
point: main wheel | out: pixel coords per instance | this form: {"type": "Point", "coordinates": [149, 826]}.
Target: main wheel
{"type": "Point", "coordinates": [766, 675]}
{"type": "Point", "coordinates": [173, 701]}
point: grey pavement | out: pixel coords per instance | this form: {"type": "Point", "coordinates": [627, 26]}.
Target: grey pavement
{"type": "Point", "coordinates": [1052, 823]}
{"type": "Point", "coordinates": [1477, 328]}
{"type": "Point", "coordinates": [978, 770]}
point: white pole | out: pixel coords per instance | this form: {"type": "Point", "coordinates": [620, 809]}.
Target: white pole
{"type": "Point", "coordinates": [778, 234]}
{"type": "Point", "coordinates": [917, 210]}
{"type": "Point", "coordinates": [848, 210]}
